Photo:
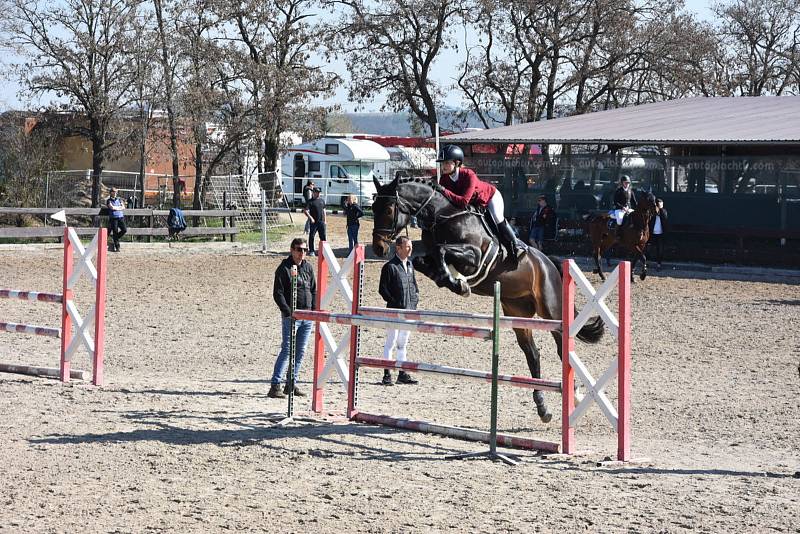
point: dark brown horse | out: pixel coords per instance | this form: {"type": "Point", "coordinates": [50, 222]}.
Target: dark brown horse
{"type": "Point", "coordinates": [463, 255]}
{"type": "Point", "coordinates": [634, 237]}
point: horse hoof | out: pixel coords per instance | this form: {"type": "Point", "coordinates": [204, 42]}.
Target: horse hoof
{"type": "Point", "coordinates": [633, 279]}
{"type": "Point", "coordinates": [546, 418]}
{"type": "Point", "coordinates": [595, 271]}
{"type": "Point", "coordinates": [643, 275]}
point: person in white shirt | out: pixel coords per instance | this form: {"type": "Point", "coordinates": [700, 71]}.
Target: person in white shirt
{"type": "Point", "coordinates": [658, 227]}
{"type": "Point", "coordinates": [398, 287]}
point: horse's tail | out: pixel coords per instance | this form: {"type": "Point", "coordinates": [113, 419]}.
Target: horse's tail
{"type": "Point", "coordinates": [593, 330]}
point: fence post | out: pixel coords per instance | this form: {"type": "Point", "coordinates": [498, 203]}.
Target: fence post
{"type": "Point", "coordinates": [567, 372]}
{"type": "Point", "coordinates": [66, 321]}
{"type": "Point", "coordinates": [319, 343]}
{"type": "Point", "coordinates": [263, 221]}
{"type": "Point", "coordinates": [624, 363]}
{"type": "Point", "coordinates": [100, 308]}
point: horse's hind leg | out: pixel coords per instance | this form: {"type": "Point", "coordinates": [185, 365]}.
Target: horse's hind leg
{"type": "Point", "coordinates": [526, 343]}
{"type": "Point", "coordinates": [526, 308]}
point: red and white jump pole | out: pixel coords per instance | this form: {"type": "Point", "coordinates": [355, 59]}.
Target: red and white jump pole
{"type": "Point", "coordinates": [69, 312]}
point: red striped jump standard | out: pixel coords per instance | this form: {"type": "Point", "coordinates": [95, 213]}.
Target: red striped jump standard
{"type": "Point", "coordinates": [30, 329]}
{"type": "Point", "coordinates": [31, 295]}
{"type": "Point", "coordinates": [467, 434]}
{"type": "Point", "coordinates": [413, 326]}
{"type": "Point", "coordinates": [511, 380]}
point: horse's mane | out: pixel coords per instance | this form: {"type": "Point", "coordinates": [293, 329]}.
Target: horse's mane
{"type": "Point", "coordinates": [424, 181]}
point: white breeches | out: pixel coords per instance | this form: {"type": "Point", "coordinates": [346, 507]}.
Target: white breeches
{"type": "Point", "coordinates": [497, 207]}
{"type": "Point", "coordinates": [619, 214]}
{"type": "Point", "coordinates": [398, 339]}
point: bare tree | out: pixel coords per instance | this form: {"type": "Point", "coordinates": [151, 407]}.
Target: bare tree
{"type": "Point", "coordinates": [761, 38]}
{"type": "Point", "coordinates": [79, 51]}
{"type": "Point", "coordinates": [276, 41]}
{"type": "Point", "coordinates": [391, 48]}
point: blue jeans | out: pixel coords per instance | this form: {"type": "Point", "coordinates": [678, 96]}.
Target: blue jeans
{"type": "Point", "coordinates": [302, 333]}
{"type": "Point", "coordinates": [316, 227]}
{"type": "Point", "coordinates": [352, 237]}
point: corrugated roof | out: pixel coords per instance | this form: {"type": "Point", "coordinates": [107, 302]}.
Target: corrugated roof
{"type": "Point", "coordinates": [699, 120]}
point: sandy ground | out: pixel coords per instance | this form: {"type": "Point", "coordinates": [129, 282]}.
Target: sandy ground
{"type": "Point", "coordinates": [181, 437]}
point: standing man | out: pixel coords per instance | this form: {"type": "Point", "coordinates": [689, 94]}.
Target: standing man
{"type": "Point", "coordinates": [624, 201]}
{"type": "Point", "coordinates": [658, 227]}
{"type": "Point", "coordinates": [308, 194]}
{"type": "Point", "coordinates": [116, 219]}
{"type": "Point", "coordinates": [315, 211]}
{"type": "Point", "coordinates": [306, 297]}
{"type": "Point", "coordinates": [398, 287]}
{"type": "Point", "coordinates": [541, 218]}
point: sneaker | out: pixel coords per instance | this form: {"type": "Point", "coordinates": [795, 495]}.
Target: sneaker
{"type": "Point", "coordinates": [387, 378]}
{"type": "Point", "coordinates": [275, 392]}
{"type": "Point", "coordinates": [297, 391]}
{"type": "Point", "coordinates": [405, 378]}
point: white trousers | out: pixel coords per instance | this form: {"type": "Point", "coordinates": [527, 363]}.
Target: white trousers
{"type": "Point", "coordinates": [396, 339]}
{"type": "Point", "coordinates": [619, 214]}
{"type": "Point", "coordinates": [497, 207]}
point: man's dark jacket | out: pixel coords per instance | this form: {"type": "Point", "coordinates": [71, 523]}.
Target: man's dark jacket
{"type": "Point", "coordinates": [306, 287]}
{"type": "Point", "coordinates": [398, 288]}
{"type": "Point", "coordinates": [624, 199]}
{"type": "Point", "coordinates": [664, 221]}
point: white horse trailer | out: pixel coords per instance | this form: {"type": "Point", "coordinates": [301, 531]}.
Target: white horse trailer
{"type": "Point", "coordinates": [338, 166]}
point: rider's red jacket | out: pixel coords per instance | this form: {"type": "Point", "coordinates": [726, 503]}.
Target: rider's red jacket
{"type": "Point", "coordinates": [467, 189]}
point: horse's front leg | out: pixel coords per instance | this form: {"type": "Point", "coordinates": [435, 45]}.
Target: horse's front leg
{"type": "Point", "coordinates": [643, 274]}
{"type": "Point", "coordinates": [434, 267]}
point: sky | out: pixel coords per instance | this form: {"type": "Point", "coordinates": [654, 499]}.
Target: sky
{"type": "Point", "coordinates": [9, 89]}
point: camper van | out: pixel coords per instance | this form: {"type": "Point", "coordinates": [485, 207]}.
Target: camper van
{"type": "Point", "coordinates": [338, 166]}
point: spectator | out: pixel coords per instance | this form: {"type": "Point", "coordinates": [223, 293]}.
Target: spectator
{"type": "Point", "coordinates": [398, 287]}
{"type": "Point", "coordinates": [658, 227]}
{"type": "Point", "coordinates": [315, 211]}
{"type": "Point", "coordinates": [308, 195]}
{"type": "Point", "coordinates": [543, 216]}
{"type": "Point", "coordinates": [353, 212]}
{"type": "Point", "coordinates": [306, 297]}
{"type": "Point", "coordinates": [116, 219]}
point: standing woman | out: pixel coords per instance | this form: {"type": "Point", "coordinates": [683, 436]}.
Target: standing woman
{"type": "Point", "coordinates": [353, 212]}
{"type": "Point", "coordinates": [658, 227]}
{"type": "Point", "coordinates": [463, 187]}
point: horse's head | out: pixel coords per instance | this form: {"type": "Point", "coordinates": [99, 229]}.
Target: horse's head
{"type": "Point", "coordinates": [646, 202]}
{"type": "Point", "coordinates": [395, 205]}
{"type": "Point", "coordinates": [388, 218]}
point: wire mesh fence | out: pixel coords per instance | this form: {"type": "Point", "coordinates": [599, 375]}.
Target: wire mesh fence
{"type": "Point", "coordinates": [73, 188]}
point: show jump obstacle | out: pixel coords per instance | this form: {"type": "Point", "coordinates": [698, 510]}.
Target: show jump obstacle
{"type": "Point", "coordinates": [95, 319]}
{"type": "Point", "coordinates": [481, 327]}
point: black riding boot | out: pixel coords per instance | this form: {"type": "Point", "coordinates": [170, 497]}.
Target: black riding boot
{"type": "Point", "coordinates": [509, 240]}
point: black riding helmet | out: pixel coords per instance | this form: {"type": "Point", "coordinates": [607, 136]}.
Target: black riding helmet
{"type": "Point", "coordinates": [451, 153]}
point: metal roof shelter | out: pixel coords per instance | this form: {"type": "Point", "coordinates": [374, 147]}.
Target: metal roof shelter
{"type": "Point", "coordinates": [761, 120]}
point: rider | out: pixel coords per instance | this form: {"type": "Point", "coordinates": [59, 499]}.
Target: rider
{"type": "Point", "coordinates": [463, 187]}
{"type": "Point", "coordinates": [624, 201]}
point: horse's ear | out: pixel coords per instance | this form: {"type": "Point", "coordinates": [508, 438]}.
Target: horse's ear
{"type": "Point", "coordinates": [377, 183]}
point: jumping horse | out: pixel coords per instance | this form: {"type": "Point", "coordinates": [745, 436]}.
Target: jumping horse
{"type": "Point", "coordinates": [463, 255]}
{"type": "Point", "coordinates": [635, 233]}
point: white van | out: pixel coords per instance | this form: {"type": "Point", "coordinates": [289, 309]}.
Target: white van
{"type": "Point", "coordinates": [338, 166]}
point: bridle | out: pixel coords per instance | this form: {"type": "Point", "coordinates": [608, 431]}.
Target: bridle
{"type": "Point", "coordinates": [388, 234]}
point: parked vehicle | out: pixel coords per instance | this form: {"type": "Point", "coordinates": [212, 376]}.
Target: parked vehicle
{"type": "Point", "coordinates": [338, 166]}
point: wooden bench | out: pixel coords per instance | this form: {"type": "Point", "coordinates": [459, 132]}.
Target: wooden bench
{"type": "Point", "coordinates": [228, 227]}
